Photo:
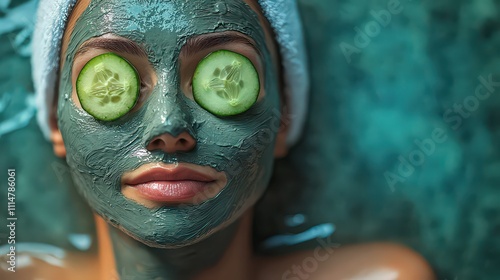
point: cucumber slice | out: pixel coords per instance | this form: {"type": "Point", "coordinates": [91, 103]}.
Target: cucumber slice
{"type": "Point", "coordinates": [225, 83]}
{"type": "Point", "coordinates": [108, 87]}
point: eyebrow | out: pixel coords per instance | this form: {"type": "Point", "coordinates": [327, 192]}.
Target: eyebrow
{"type": "Point", "coordinates": [193, 44]}
{"type": "Point", "coordinates": [118, 45]}
{"type": "Point", "coordinates": [199, 43]}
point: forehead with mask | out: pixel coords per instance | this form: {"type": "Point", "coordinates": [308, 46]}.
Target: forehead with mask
{"type": "Point", "coordinates": [167, 128]}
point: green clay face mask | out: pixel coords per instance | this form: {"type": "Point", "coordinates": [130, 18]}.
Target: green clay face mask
{"type": "Point", "coordinates": [241, 146]}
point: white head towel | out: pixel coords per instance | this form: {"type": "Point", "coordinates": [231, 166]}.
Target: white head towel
{"type": "Point", "coordinates": [282, 15]}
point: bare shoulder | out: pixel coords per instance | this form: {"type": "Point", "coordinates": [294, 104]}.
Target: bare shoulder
{"type": "Point", "coordinates": [361, 262]}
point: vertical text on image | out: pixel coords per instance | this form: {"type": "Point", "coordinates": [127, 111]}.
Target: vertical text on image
{"type": "Point", "coordinates": [11, 219]}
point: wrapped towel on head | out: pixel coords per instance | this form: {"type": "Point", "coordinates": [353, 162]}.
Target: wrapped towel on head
{"type": "Point", "coordinates": [281, 14]}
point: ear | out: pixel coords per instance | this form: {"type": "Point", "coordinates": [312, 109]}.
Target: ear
{"type": "Point", "coordinates": [280, 148]}
{"type": "Point", "coordinates": [56, 138]}
{"type": "Point", "coordinates": [57, 143]}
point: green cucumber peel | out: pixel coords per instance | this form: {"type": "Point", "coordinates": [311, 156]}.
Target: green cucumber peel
{"type": "Point", "coordinates": [225, 83]}
{"type": "Point", "coordinates": [108, 87]}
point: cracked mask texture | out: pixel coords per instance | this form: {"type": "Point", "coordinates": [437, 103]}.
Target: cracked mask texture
{"type": "Point", "coordinates": [98, 153]}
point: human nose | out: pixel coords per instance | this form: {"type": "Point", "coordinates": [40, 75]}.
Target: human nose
{"type": "Point", "coordinates": [169, 130]}
{"type": "Point", "coordinates": [168, 143]}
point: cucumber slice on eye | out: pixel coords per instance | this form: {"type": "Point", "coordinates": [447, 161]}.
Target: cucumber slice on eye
{"type": "Point", "coordinates": [108, 87]}
{"type": "Point", "coordinates": [225, 83]}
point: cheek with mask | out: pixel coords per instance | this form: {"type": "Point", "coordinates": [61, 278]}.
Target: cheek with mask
{"type": "Point", "coordinates": [107, 158]}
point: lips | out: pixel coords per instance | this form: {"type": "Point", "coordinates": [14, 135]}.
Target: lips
{"type": "Point", "coordinates": [160, 173]}
{"type": "Point", "coordinates": [179, 183]}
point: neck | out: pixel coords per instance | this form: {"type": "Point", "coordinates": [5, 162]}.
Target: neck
{"type": "Point", "coordinates": [226, 254]}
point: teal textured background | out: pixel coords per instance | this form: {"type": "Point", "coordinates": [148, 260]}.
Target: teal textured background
{"type": "Point", "coordinates": [367, 112]}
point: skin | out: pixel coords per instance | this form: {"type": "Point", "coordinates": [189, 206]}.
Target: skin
{"type": "Point", "coordinates": [235, 260]}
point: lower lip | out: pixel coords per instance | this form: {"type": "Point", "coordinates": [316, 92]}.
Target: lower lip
{"type": "Point", "coordinates": [171, 191]}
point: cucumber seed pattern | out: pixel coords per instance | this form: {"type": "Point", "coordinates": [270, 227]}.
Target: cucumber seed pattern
{"type": "Point", "coordinates": [227, 82]}
{"type": "Point", "coordinates": [107, 86]}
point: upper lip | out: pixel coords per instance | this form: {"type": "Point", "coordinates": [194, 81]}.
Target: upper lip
{"type": "Point", "coordinates": [162, 172]}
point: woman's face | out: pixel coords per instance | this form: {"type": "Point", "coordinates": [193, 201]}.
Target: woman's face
{"type": "Point", "coordinates": [169, 173]}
